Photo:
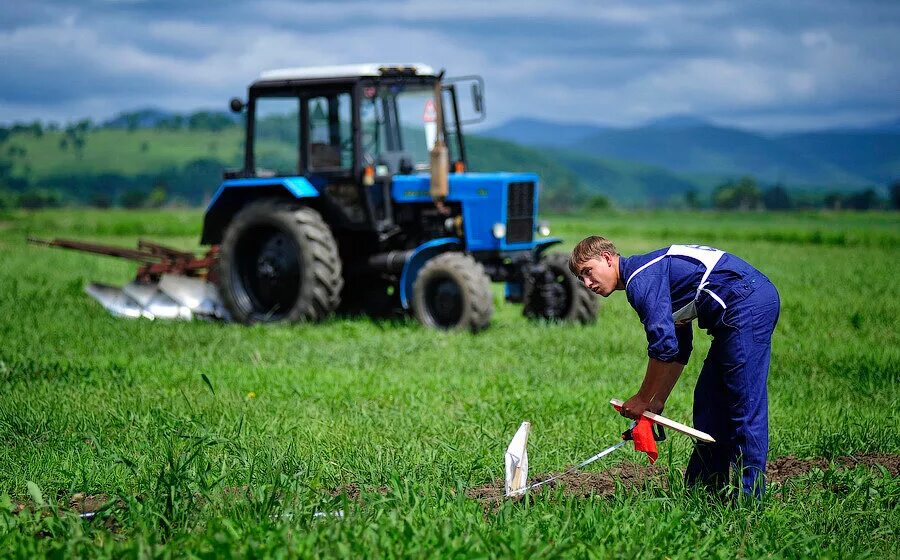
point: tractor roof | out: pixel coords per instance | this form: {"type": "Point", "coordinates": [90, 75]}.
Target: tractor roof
{"type": "Point", "coordinates": [345, 71]}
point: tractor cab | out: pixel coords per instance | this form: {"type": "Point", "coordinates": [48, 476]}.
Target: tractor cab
{"type": "Point", "coordinates": [349, 130]}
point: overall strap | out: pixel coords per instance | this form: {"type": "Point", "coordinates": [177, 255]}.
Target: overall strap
{"type": "Point", "coordinates": [707, 256]}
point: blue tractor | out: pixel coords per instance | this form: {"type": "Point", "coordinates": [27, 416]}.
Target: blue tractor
{"type": "Point", "coordinates": [355, 196]}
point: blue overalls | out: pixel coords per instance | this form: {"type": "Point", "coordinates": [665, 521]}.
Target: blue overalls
{"type": "Point", "coordinates": [739, 307]}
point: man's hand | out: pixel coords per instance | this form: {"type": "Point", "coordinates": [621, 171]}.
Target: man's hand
{"type": "Point", "coordinates": [634, 407]}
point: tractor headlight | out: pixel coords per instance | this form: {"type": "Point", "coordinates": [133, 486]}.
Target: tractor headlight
{"type": "Point", "coordinates": [499, 231]}
{"type": "Point", "coordinates": [543, 228]}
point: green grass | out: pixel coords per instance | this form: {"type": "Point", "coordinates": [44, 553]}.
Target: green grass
{"type": "Point", "coordinates": [94, 404]}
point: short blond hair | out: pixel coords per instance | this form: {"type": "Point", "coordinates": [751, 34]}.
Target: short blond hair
{"type": "Point", "coordinates": [590, 248]}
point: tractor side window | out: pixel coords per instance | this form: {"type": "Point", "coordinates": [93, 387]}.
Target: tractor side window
{"type": "Point", "coordinates": [452, 136]}
{"type": "Point", "coordinates": [276, 145]}
{"type": "Point", "coordinates": [330, 132]}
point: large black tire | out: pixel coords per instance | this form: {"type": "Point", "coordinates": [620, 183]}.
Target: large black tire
{"type": "Point", "coordinates": [558, 295]}
{"type": "Point", "coordinates": [452, 292]}
{"type": "Point", "coordinates": [279, 262]}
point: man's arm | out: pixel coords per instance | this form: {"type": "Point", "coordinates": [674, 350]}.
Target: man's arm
{"type": "Point", "coordinates": [658, 383]}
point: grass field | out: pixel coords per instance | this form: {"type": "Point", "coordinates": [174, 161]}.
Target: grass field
{"type": "Point", "coordinates": [391, 423]}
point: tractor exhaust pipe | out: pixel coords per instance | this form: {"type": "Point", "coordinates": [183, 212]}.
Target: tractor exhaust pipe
{"type": "Point", "coordinates": [440, 157]}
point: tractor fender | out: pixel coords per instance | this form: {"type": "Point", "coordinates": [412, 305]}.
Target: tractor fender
{"type": "Point", "coordinates": [235, 194]}
{"type": "Point", "coordinates": [420, 255]}
{"type": "Point", "coordinates": [542, 245]}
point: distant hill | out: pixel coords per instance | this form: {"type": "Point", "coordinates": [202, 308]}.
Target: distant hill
{"type": "Point", "coordinates": [688, 145]}
{"type": "Point", "coordinates": [142, 118]}
{"type": "Point", "coordinates": [627, 183]}
{"type": "Point", "coordinates": [872, 155]}
{"type": "Point", "coordinates": [717, 150]}
{"type": "Point", "coordinates": [536, 132]}
{"type": "Point", "coordinates": [675, 122]}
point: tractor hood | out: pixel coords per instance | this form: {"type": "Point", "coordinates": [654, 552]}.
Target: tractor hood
{"type": "Point", "coordinates": [499, 210]}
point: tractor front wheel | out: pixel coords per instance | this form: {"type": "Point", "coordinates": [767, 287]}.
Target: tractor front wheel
{"type": "Point", "coordinates": [552, 292]}
{"type": "Point", "coordinates": [452, 292]}
{"type": "Point", "coordinates": [279, 262]}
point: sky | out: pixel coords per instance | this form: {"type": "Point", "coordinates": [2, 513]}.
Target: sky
{"type": "Point", "coordinates": [765, 65]}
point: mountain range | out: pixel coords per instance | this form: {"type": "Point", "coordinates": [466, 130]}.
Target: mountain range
{"type": "Point", "coordinates": [668, 156]}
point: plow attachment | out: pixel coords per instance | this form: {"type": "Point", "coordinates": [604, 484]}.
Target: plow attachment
{"type": "Point", "coordinates": [170, 283]}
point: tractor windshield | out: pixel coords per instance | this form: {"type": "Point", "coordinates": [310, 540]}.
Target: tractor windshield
{"type": "Point", "coordinates": [399, 126]}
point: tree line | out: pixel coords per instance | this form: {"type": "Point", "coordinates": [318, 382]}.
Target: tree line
{"type": "Point", "coordinates": [746, 194]}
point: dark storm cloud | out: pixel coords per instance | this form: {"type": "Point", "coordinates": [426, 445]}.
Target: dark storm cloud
{"type": "Point", "coordinates": [766, 63]}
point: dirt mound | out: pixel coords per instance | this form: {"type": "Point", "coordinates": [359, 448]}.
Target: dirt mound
{"type": "Point", "coordinates": [781, 469]}
{"type": "Point", "coordinates": [83, 503]}
{"type": "Point", "coordinates": [582, 484]}
{"type": "Point", "coordinates": [631, 476]}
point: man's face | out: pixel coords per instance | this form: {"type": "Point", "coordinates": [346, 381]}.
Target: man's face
{"type": "Point", "coordinates": [600, 275]}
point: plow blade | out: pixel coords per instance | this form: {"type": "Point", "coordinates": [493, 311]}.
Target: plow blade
{"type": "Point", "coordinates": [174, 297]}
{"type": "Point", "coordinates": [115, 301]}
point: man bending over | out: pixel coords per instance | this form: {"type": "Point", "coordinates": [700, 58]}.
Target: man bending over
{"type": "Point", "coordinates": [737, 305]}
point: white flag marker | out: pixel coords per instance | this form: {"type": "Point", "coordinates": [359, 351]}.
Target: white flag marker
{"type": "Point", "coordinates": [517, 461]}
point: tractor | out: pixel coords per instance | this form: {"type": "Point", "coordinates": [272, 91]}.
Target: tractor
{"type": "Point", "coordinates": [355, 196]}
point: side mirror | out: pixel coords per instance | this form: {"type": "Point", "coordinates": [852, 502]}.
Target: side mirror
{"type": "Point", "coordinates": [236, 105]}
{"type": "Point", "coordinates": [476, 89]}
{"type": "Point", "coordinates": [477, 98]}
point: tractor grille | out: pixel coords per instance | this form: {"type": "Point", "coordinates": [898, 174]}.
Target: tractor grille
{"type": "Point", "coordinates": [519, 212]}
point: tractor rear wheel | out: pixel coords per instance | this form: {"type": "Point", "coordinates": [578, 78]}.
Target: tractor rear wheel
{"type": "Point", "coordinates": [552, 292]}
{"type": "Point", "coordinates": [279, 262]}
{"type": "Point", "coordinates": [452, 292]}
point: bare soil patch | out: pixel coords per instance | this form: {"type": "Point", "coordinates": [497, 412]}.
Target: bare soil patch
{"type": "Point", "coordinates": [783, 468]}
{"type": "Point", "coordinates": [582, 484]}
{"type": "Point", "coordinates": [629, 476]}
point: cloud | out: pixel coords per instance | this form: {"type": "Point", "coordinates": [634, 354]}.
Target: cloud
{"type": "Point", "coordinates": [607, 62]}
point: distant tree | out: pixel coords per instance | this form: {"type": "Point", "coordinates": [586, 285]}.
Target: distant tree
{"type": "Point", "coordinates": [132, 121]}
{"type": "Point", "coordinates": [777, 198]}
{"type": "Point", "coordinates": [15, 150]}
{"type": "Point", "coordinates": [598, 202]}
{"type": "Point", "coordinates": [740, 195]}
{"type": "Point", "coordinates": [894, 195]}
{"type": "Point", "coordinates": [692, 198]}
{"type": "Point", "coordinates": [157, 197]}
{"type": "Point", "coordinates": [209, 120]}
{"type": "Point", "coordinates": [37, 129]}
{"type": "Point", "coordinates": [863, 200]}
{"type": "Point", "coordinates": [833, 201]}
{"type": "Point", "coordinates": [101, 200]}
{"type": "Point", "coordinates": [77, 136]}
{"type": "Point", "coordinates": [145, 147]}
{"type": "Point", "coordinates": [79, 142]}
{"type": "Point", "coordinates": [39, 198]}
{"type": "Point", "coordinates": [63, 144]}
{"type": "Point", "coordinates": [84, 125]}
{"type": "Point", "coordinates": [4, 134]}
{"type": "Point", "coordinates": [133, 198]}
